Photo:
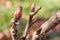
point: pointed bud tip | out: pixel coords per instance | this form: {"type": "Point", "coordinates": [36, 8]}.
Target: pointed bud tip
{"type": "Point", "coordinates": [33, 5]}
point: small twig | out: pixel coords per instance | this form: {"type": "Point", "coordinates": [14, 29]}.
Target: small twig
{"type": "Point", "coordinates": [15, 22]}
{"type": "Point", "coordinates": [30, 22]}
{"type": "Point", "coordinates": [36, 11]}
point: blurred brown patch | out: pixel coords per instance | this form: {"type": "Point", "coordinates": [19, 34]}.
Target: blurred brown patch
{"type": "Point", "coordinates": [5, 35]}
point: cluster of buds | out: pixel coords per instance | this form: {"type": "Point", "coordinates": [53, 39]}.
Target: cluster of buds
{"type": "Point", "coordinates": [15, 21]}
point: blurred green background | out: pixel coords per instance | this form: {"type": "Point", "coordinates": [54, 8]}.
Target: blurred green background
{"type": "Point", "coordinates": [7, 7]}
